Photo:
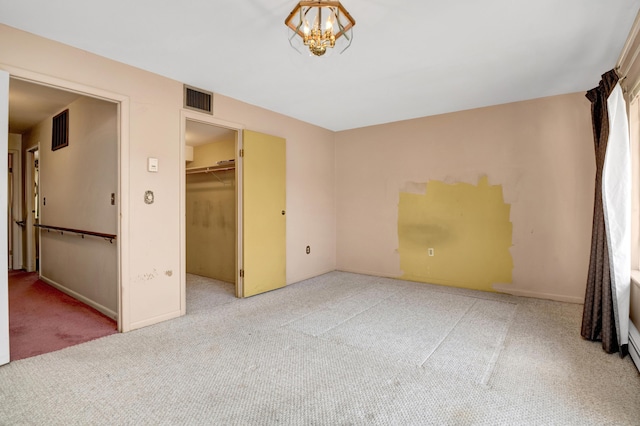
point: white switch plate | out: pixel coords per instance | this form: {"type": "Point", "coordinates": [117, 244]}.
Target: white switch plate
{"type": "Point", "coordinates": [152, 164]}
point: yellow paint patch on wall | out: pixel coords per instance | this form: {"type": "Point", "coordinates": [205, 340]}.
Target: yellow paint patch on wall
{"type": "Point", "coordinates": [468, 228]}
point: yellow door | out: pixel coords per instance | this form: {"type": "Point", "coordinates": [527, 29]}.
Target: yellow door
{"type": "Point", "coordinates": [263, 213]}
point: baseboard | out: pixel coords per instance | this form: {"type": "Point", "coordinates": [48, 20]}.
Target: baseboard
{"type": "Point", "coordinates": [634, 345]}
{"type": "Point", "coordinates": [370, 273]}
{"type": "Point", "coordinates": [98, 307]}
{"type": "Point", "coordinates": [309, 276]}
{"type": "Point", "coordinates": [154, 320]}
{"type": "Point", "coordinates": [504, 288]}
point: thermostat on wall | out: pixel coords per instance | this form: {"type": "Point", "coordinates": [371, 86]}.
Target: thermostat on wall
{"type": "Point", "coordinates": [152, 164]}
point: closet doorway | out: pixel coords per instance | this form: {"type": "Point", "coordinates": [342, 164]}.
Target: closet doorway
{"type": "Point", "coordinates": [235, 180]}
{"type": "Point", "coordinates": [211, 205]}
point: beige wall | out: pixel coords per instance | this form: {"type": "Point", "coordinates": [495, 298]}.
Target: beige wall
{"type": "Point", "coordinates": [152, 275]}
{"type": "Point", "coordinates": [211, 214]}
{"type": "Point", "coordinates": [539, 152]}
{"type": "Point", "coordinates": [209, 154]}
{"type": "Point", "coordinates": [76, 183]}
{"type": "Point", "coordinates": [311, 214]}
{"type": "Point", "coordinates": [15, 141]}
{"type": "Point", "coordinates": [150, 262]}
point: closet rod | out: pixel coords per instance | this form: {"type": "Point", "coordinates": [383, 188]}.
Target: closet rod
{"type": "Point", "coordinates": [211, 169]}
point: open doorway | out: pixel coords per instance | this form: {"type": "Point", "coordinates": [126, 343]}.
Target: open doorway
{"type": "Point", "coordinates": [68, 244]}
{"type": "Point", "coordinates": [210, 212]}
{"type": "Point", "coordinates": [259, 170]}
{"type": "Point", "coordinates": [31, 201]}
{"type": "Point", "coordinates": [14, 201]}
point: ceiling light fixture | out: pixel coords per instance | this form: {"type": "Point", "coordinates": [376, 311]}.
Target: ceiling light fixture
{"type": "Point", "coordinates": [321, 35]}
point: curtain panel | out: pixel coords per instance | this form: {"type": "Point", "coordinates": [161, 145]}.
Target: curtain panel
{"type": "Point", "coordinates": [606, 308]}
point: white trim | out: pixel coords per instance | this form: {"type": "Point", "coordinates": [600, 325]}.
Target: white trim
{"type": "Point", "coordinates": [634, 345]}
{"type": "Point", "coordinates": [155, 320]}
{"type": "Point", "coordinates": [366, 272]}
{"type": "Point", "coordinates": [635, 29]}
{"type": "Point", "coordinates": [58, 83]}
{"type": "Point", "coordinates": [313, 275]}
{"type": "Point", "coordinates": [98, 307]}
{"type": "Point", "coordinates": [539, 295]}
{"type": "Point", "coordinates": [123, 240]}
{"type": "Point", "coordinates": [182, 268]}
{"type": "Point", "coordinates": [499, 288]}
{"type": "Point", "coordinates": [239, 213]}
{"type": "Point", "coordinates": [4, 278]}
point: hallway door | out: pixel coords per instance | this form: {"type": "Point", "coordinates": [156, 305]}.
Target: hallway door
{"type": "Point", "coordinates": [15, 219]}
{"type": "Point", "coordinates": [32, 184]}
{"type": "Point", "coordinates": [4, 285]}
{"type": "Point", "coordinates": [263, 212]}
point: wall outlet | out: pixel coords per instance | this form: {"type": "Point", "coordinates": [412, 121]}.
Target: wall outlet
{"type": "Point", "coordinates": [308, 249]}
{"type": "Point", "coordinates": [431, 251]}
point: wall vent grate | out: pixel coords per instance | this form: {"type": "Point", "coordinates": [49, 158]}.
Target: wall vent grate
{"type": "Point", "coordinates": [60, 131]}
{"type": "Point", "coordinates": [198, 99]}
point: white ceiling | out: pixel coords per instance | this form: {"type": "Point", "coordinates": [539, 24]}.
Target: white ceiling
{"type": "Point", "coordinates": [409, 58]}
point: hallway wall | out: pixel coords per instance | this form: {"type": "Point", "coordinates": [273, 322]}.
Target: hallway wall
{"type": "Point", "coordinates": [76, 183]}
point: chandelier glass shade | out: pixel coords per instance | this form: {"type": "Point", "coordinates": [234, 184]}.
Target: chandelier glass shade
{"type": "Point", "coordinates": [320, 25]}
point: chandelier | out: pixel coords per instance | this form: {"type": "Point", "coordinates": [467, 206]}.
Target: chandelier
{"type": "Point", "coordinates": [330, 23]}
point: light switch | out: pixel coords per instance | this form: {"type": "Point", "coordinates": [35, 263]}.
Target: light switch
{"type": "Point", "coordinates": [152, 164]}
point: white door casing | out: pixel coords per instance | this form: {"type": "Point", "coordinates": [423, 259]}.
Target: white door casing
{"type": "Point", "coordinates": [4, 284]}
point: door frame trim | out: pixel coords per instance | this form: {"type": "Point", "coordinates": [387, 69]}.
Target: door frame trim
{"type": "Point", "coordinates": [5, 350]}
{"type": "Point", "coordinates": [123, 240]}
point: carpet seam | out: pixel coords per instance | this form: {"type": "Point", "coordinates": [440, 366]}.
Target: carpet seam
{"type": "Point", "coordinates": [497, 351]}
{"type": "Point", "coordinates": [435, 349]}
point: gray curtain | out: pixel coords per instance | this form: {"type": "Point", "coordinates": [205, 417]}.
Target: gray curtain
{"type": "Point", "coordinates": [598, 320]}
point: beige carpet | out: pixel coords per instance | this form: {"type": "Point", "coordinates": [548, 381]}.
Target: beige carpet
{"type": "Point", "coordinates": [337, 349]}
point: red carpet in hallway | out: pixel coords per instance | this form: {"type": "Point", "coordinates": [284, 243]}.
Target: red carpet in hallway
{"type": "Point", "coordinates": [43, 319]}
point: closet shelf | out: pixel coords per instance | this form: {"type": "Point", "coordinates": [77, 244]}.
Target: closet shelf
{"type": "Point", "coordinates": [210, 169]}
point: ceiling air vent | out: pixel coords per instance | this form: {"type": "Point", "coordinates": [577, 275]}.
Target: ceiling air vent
{"type": "Point", "coordinates": [198, 99]}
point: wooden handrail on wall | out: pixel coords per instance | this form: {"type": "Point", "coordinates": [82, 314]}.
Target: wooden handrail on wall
{"type": "Point", "coordinates": [62, 230]}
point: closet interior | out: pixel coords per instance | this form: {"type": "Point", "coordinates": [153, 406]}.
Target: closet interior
{"type": "Point", "coordinates": [211, 201]}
